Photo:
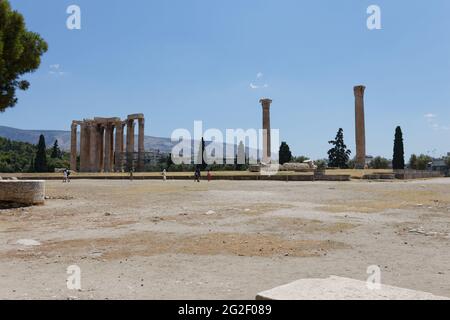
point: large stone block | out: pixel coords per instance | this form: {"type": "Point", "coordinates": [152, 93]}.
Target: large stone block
{"type": "Point", "coordinates": [338, 288]}
{"type": "Point", "coordinates": [26, 192]}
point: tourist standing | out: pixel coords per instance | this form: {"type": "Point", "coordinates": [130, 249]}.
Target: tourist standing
{"type": "Point", "coordinates": [68, 175]}
{"type": "Point", "coordinates": [164, 174]}
{"type": "Point", "coordinates": [65, 175]}
{"type": "Point", "coordinates": [209, 175]}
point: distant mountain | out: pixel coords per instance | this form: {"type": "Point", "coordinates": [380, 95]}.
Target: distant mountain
{"type": "Point", "coordinates": [164, 145]}
{"type": "Point", "coordinates": [32, 136]}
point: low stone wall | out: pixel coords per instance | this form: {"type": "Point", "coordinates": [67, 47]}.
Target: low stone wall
{"type": "Point", "coordinates": [379, 176]}
{"type": "Point", "coordinates": [243, 177]}
{"type": "Point", "coordinates": [26, 192]}
{"type": "Point", "coordinates": [409, 175]}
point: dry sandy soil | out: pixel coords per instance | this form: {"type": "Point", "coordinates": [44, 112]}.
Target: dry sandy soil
{"type": "Point", "coordinates": [224, 239]}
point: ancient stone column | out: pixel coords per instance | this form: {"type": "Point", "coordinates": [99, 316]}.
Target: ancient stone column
{"type": "Point", "coordinates": [130, 143]}
{"type": "Point", "coordinates": [141, 145]}
{"type": "Point", "coordinates": [73, 147]}
{"type": "Point", "coordinates": [266, 130]}
{"type": "Point", "coordinates": [93, 147]}
{"type": "Point", "coordinates": [360, 131]}
{"type": "Point", "coordinates": [108, 143]}
{"type": "Point", "coordinates": [100, 147]}
{"type": "Point", "coordinates": [118, 147]}
{"type": "Point", "coordinates": [85, 161]}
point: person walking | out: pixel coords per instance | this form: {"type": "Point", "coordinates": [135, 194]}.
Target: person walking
{"type": "Point", "coordinates": [68, 175]}
{"type": "Point", "coordinates": [197, 174]}
{"type": "Point", "coordinates": [209, 175]}
{"type": "Point", "coordinates": [164, 174]}
{"type": "Point", "coordinates": [65, 175]}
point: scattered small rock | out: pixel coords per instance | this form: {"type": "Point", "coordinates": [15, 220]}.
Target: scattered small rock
{"type": "Point", "coordinates": [28, 242]}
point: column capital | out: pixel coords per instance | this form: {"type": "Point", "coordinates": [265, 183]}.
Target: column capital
{"type": "Point", "coordinates": [359, 90]}
{"type": "Point", "coordinates": [265, 102]}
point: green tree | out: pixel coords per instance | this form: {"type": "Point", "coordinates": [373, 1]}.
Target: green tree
{"type": "Point", "coordinates": [398, 161]}
{"type": "Point", "coordinates": [201, 158]}
{"type": "Point", "coordinates": [40, 161]}
{"type": "Point", "coordinates": [339, 155]}
{"type": "Point", "coordinates": [284, 155]}
{"type": "Point", "coordinates": [413, 162]}
{"type": "Point", "coordinates": [56, 152]}
{"type": "Point", "coordinates": [20, 53]}
{"type": "Point", "coordinates": [379, 163]}
{"type": "Point", "coordinates": [420, 162]}
{"type": "Point", "coordinates": [300, 159]}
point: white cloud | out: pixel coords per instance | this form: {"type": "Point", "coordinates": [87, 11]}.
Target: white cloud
{"type": "Point", "coordinates": [55, 70]}
{"type": "Point", "coordinates": [254, 86]}
{"type": "Point", "coordinates": [434, 124]}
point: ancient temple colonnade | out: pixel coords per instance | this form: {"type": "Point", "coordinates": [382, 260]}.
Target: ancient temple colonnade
{"type": "Point", "coordinates": [102, 144]}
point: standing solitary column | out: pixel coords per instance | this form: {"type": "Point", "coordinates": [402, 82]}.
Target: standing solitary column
{"type": "Point", "coordinates": [360, 131]}
{"type": "Point", "coordinates": [73, 147]}
{"type": "Point", "coordinates": [141, 145]}
{"type": "Point", "coordinates": [266, 130]}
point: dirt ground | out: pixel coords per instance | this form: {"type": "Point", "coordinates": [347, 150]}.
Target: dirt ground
{"type": "Point", "coordinates": [225, 239]}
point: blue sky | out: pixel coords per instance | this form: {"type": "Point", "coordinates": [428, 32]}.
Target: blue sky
{"type": "Point", "coordinates": [183, 60]}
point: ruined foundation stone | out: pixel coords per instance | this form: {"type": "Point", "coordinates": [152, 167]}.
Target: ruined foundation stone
{"type": "Point", "coordinates": [26, 192]}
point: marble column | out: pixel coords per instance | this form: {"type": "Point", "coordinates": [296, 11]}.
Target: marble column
{"type": "Point", "coordinates": [266, 130]}
{"type": "Point", "coordinates": [141, 150]}
{"type": "Point", "coordinates": [93, 147]}
{"type": "Point", "coordinates": [360, 131]}
{"type": "Point", "coordinates": [108, 148]}
{"type": "Point", "coordinates": [73, 147]}
{"type": "Point", "coordinates": [118, 147]}
{"type": "Point", "coordinates": [130, 143]}
{"type": "Point", "coordinates": [100, 147]}
{"type": "Point", "coordinates": [85, 147]}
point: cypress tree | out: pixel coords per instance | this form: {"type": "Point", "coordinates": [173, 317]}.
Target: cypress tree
{"type": "Point", "coordinates": [339, 155]}
{"type": "Point", "coordinates": [284, 154]}
{"type": "Point", "coordinates": [40, 161]}
{"type": "Point", "coordinates": [398, 160]}
{"type": "Point", "coordinates": [56, 152]}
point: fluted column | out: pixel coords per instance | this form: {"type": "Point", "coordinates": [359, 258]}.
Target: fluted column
{"type": "Point", "coordinates": [118, 147]}
{"type": "Point", "coordinates": [130, 143]}
{"type": "Point", "coordinates": [100, 147]}
{"type": "Point", "coordinates": [73, 147]}
{"type": "Point", "coordinates": [108, 144]}
{"type": "Point", "coordinates": [360, 131]}
{"type": "Point", "coordinates": [85, 161]}
{"type": "Point", "coordinates": [93, 148]}
{"type": "Point", "coordinates": [266, 130]}
{"type": "Point", "coordinates": [141, 145]}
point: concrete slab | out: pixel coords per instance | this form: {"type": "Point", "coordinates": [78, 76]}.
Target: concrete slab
{"type": "Point", "coordinates": [338, 288]}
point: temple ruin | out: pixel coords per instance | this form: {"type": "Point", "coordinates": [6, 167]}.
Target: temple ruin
{"type": "Point", "coordinates": [102, 144]}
